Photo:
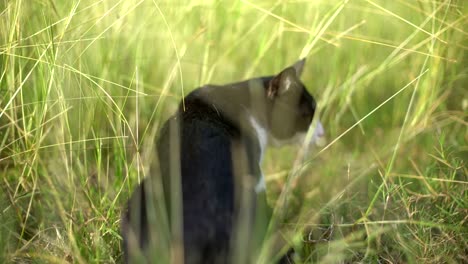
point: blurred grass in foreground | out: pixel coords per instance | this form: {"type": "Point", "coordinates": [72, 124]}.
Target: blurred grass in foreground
{"type": "Point", "coordinates": [85, 85]}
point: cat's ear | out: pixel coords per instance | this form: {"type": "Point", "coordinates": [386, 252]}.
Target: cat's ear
{"type": "Point", "coordinates": [283, 82]}
{"type": "Point", "coordinates": [299, 66]}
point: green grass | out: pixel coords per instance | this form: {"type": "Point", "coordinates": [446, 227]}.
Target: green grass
{"type": "Point", "coordinates": [85, 86]}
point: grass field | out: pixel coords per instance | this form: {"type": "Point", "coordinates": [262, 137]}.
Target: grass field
{"type": "Point", "coordinates": [85, 86]}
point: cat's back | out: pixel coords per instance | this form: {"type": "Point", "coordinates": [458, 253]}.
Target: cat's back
{"type": "Point", "coordinates": [206, 177]}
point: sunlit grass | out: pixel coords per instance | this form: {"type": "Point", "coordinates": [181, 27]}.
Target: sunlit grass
{"type": "Point", "coordinates": [85, 86]}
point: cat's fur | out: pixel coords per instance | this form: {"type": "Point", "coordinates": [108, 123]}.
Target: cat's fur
{"type": "Point", "coordinates": [207, 203]}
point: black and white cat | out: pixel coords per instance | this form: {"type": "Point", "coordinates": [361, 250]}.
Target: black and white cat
{"type": "Point", "coordinates": [205, 202]}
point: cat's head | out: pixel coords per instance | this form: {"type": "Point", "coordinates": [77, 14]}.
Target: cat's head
{"type": "Point", "coordinates": [291, 107]}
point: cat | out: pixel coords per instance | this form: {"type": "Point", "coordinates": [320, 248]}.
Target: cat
{"type": "Point", "coordinates": [207, 202]}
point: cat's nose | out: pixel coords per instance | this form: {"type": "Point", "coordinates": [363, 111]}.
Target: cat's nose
{"type": "Point", "coordinates": [319, 134]}
{"type": "Point", "coordinates": [319, 131]}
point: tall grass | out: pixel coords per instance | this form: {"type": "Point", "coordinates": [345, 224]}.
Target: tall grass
{"type": "Point", "coordinates": [85, 86]}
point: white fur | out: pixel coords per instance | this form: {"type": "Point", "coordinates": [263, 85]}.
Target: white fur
{"type": "Point", "coordinates": [263, 140]}
{"type": "Point", "coordinates": [261, 186]}
{"type": "Point", "coordinates": [261, 134]}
